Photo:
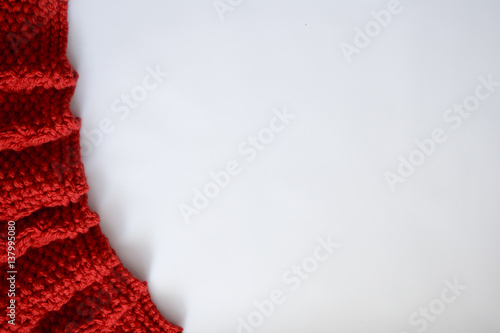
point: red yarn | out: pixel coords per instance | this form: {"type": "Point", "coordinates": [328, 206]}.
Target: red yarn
{"type": "Point", "coordinates": [68, 279]}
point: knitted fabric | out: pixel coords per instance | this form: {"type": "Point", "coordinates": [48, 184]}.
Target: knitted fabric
{"type": "Point", "coordinates": [68, 279]}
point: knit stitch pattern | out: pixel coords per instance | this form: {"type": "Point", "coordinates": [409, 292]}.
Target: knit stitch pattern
{"type": "Point", "coordinates": [69, 278]}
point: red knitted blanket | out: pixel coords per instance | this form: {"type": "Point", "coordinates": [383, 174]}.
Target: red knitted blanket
{"type": "Point", "coordinates": [60, 273]}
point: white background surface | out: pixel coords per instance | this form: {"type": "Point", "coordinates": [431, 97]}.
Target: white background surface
{"type": "Point", "coordinates": [323, 176]}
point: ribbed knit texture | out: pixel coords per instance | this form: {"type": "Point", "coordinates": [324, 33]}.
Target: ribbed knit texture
{"type": "Point", "coordinates": [69, 278]}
